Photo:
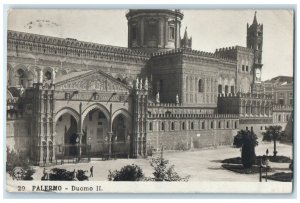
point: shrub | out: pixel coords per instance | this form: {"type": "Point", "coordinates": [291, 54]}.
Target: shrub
{"type": "Point", "coordinates": [127, 173]}
{"type": "Point", "coordinates": [28, 174]}
{"type": "Point", "coordinates": [282, 177]}
{"type": "Point", "coordinates": [58, 174]}
{"type": "Point", "coordinates": [242, 170]}
{"type": "Point", "coordinates": [14, 160]}
{"type": "Point", "coordinates": [80, 175]}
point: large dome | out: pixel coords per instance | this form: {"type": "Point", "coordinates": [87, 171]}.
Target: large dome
{"type": "Point", "coordinates": [154, 29]}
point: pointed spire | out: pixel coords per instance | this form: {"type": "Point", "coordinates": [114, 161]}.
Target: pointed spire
{"type": "Point", "coordinates": [146, 84]}
{"type": "Point", "coordinates": [255, 20]}
{"type": "Point", "coordinates": [157, 98]}
{"type": "Point", "coordinates": [185, 34]}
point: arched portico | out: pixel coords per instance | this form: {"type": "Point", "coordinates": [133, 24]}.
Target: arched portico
{"type": "Point", "coordinates": [122, 131]}
{"type": "Point", "coordinates": [66, 131]}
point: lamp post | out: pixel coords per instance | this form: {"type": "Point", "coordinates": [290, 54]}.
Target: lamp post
{"type": "Point", "coordinates": [89, 148]}
{"type": "Point", "coordinates": [267, 152]}
{"type": "Point", "coordinates": [260, 170]}
{"type": "Point", "coordinates": [77, 143]}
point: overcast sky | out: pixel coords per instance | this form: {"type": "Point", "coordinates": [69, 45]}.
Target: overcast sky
{"type": "Point", "coordinates": [210, 29]}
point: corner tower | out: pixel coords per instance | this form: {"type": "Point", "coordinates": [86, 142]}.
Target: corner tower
{"type": "Point", "coordinates": [153, 30]}
{"type": "Point", "coordinates": [255, 42]}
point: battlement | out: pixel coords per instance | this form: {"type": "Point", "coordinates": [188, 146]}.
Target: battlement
{"type": "Point", "coordinates": [191, 52]}
{"type": "Point", "coordinates": [233, 49]}
{"type": "Point", "coordinates": [245, 95]}
{"type": "Point", "coordinates": [151, 104]}
{"type": "Point", "coordinates": [282, 108]}
{"type": "Point", "coordinates": [194, 116]}
{"type": "Point", "coordinates": [71, 47]}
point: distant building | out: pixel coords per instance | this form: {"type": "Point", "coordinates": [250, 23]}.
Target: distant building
{"type": "Point", "coordinates": [68, 98]}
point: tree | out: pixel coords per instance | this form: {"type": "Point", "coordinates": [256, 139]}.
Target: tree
{"type": "Point", "coordinates": [127, 173]}
{"type": "Point", "coordinates": [247, 140]}
{"type": "Point", "coordinates": [164, 173]}
{"type": "Point", "coordinates": [273, 133]}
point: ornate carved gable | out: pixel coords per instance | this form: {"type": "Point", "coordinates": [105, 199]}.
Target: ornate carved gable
{"type": "Point", "coordinates": [92, 81]}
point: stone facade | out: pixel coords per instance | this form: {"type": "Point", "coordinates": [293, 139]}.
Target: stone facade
{"type": "Point", "coordinates": [67, 98]}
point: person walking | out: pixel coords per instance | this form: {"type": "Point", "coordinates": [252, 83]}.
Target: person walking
{"type": "Point", "coordinates": [91, 171]}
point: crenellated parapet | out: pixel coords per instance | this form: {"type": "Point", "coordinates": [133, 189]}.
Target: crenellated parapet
{"type": "Point", "coordinates": [151, 104]}
{"type": "Point", "coordinates": [232, 52]}
{"type": "Point", "coordinates": [40, 44]}
{"type": "Point", "coordinates": [193, 116]}
{"type": "Point", "coordinates": [232, 49]}
{"type": "Point", "coordinates": [246, 104]}
{"type": "Point", "coordinates": [245, 95]}
{"type": "Point", "coordinates": [282, 108]}
{"type": "Point", "coordinates": [192, 53]}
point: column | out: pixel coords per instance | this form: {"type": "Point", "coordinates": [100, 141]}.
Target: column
{"type": "Point", "coordinates": [263, 109]}
{"type": "Point", "coordinates": [142, 34]}
{"type": "Point", "coordinates": [41, 154]}
{"type": "Point", "coordinates": [109, 133]}
{"type": "Point", "coordinates": [40, 76]}
{"type": "Point", "coordinates": [205, 90]}
{"type": "Point", "coordinates": [79, 130]}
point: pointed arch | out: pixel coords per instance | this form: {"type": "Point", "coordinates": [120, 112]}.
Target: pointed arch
{"type": "Point", "coordinates": [96, 106]}
{"type": "Point", "coordinates": [67, 110]}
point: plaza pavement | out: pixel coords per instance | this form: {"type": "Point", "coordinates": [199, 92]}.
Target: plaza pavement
{"type": "Point", "coordinates": [201, 165]}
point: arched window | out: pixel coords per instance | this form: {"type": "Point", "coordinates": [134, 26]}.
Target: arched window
{"type": "Point", "coordinates": [187, 84]}
{"type": "Point", "coordinates": [192, 125]}
{"type": "Point", "coordinates": [235, 124]}
{"type": "Point", "coordinates": [150, 126]}
{"type": "Point", "coordinates": [220, 89]}
{"type": "Point", "coordinates": [48, 75]}
{"type": "Point", "coordinates": [279, 118]}
{"type": "Point", "coordinates": [287, 117]}
{"type": "Point", "coordinates": [220, 124]}
{"type": "Point", "coordinates": [134, 32]}
{"type": "Point", "coordinates": [183, 126]}
{"type": "Point", "coordinates": [200, 86]}
{"type": "Point", "coordinates": [162, 126]}
{"type": "Point", "coordinates": [21, 75]}
{"type": "Point", "coordinates": [227, 124]}
{"type": "Point", "coordinates": [203, 125]}
{"type": "Point", "coordinates": [212, 125]}
{"type": "Point", "coordinates": [172, 126]}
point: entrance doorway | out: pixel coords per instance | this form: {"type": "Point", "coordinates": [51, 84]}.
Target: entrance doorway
{"type": "Point", "coordinates": [67, 138]}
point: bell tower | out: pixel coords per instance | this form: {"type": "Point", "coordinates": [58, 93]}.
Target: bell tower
{"type": "Point", "coordinates": [154, 29]}
{"type": "Point", "coordinates": [255, 42]}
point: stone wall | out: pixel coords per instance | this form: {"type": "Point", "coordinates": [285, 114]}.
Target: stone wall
{"type": "Point", "coordinates": [18, 135]}
{"type": "Point", "coordinates": [184, 140]}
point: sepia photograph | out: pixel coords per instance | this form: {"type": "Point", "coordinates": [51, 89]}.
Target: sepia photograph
{"type": "Point", "coordinates": [150, 100]}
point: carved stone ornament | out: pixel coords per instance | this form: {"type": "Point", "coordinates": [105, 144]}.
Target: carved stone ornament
{"type": "Point", "coordinates": [93, 82]}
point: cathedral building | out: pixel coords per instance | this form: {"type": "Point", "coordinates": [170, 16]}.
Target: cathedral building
{"type": "Point", "coordinates": [68, 98]}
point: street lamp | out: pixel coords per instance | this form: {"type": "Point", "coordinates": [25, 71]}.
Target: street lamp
{"type": "Point", "coordinates": [267, 164]}
{"type": "Point", "coordinates": [260, 169]}
{"type": "Point", "coordinates": [78, 152]}
{"type": "Point", "coordinates": [89, 148]}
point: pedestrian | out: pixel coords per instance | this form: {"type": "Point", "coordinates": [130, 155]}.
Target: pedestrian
{"type": "Point", "coordinates": [91, 171]}
{"type": "Point", "coordinates": [45, 175]}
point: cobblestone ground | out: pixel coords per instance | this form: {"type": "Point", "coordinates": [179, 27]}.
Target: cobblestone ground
{"type": "Point", "coordinates": [201, 165]}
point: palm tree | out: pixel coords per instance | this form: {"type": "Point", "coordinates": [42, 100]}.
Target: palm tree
{"type": "Point", "coordinates": [273, 133]}
{"type": "Point", "coordinates": [247, 140]}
